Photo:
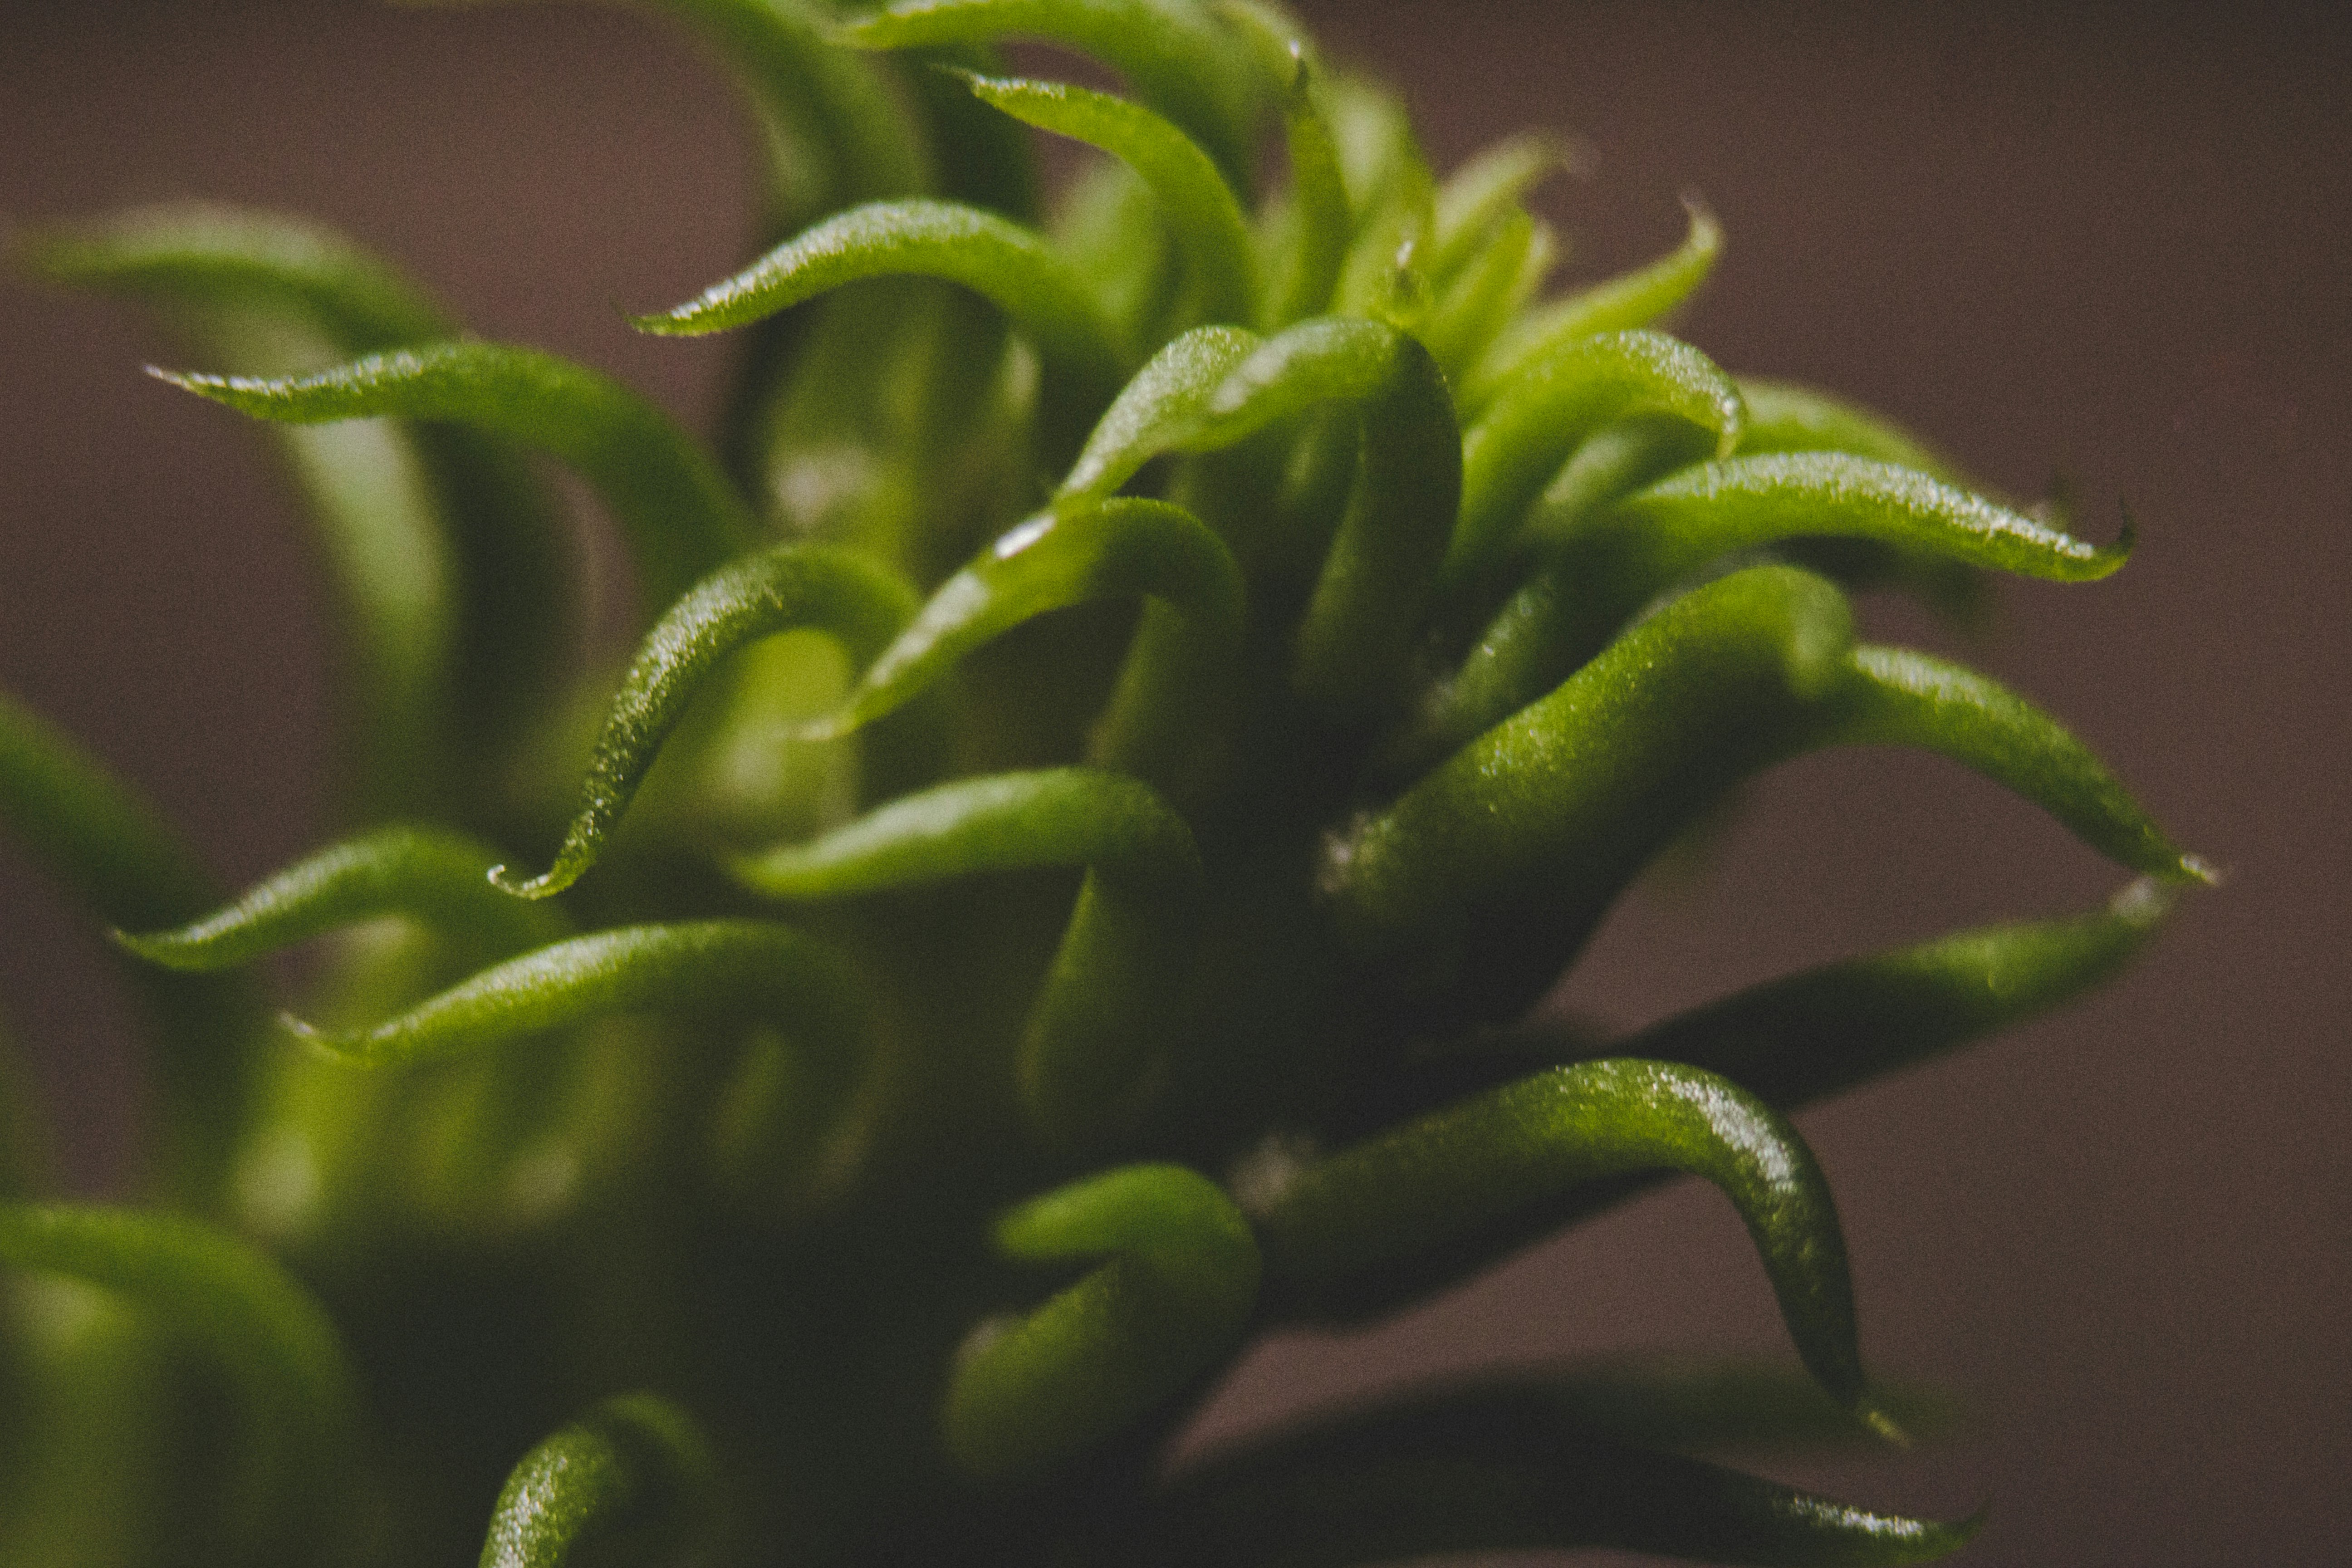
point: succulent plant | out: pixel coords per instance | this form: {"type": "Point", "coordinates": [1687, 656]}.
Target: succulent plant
{"type": "Point", "coordinates": [1146, 701]}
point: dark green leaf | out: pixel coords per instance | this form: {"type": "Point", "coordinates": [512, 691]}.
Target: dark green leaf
{"type": "Point", "coordinates": [433, 877]}
{"type": "Point", "coordinates": [1172, 1302]}
{"type": "Point", "coordinates": [776, 590]}
{"type": "Point", "coordinates": [680, 516]}
{"type": "Point", "coordinates": [1409, 1204]}
{"type": "Point", "coordinates": [1194, 197]}
{"type": "Point", "coordinates": [109, 848]}
{"type": "Point", "coordinates": [1896, 697]}
{"type": "Point", "coordinates": [1068, 555]}
{"type": "Point", "coordinates": [1479, 883]}
{"type": "Point", "coordinates": [297, 1402]}
{"type": "Point", "coordinates": [1500, 1470]}
{"type": "Point", "coordinates": [631, 1482]}
{"type": "Point", "coordinates": [452, 571]}
{"type": "Point", "coordinates": [1095, 1046]}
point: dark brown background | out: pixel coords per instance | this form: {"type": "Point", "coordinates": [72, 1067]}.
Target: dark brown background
{"type": "Point", "coordinates": [2110, 243]}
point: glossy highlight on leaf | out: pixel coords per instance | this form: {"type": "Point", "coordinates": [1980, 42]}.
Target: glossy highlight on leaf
{"type": "Point", "coordinates": [432, 875]}
{"type": "Point", "coordinates": [1550, 404]}
{"type": "Point", "coordinates": [1418, 1193]}
{"type": "Point", "coordinates": [680, 518]}
{"type": "Point", "coordinates": [1499, 861]}
{"type": "Point", "coordinates": [297, 1402]}
{"type": "Point", "coordinates": [1119, 547]}
{"type": "Point", "coordinates": [1111, 1004]}
{"type": "Point", "coordinates": [1899, 697]}
{"type": "Point", "coordinates": [1199, 206]}
{"type": "Point", "coordinates": [631, 1479]}
{"type": "Point", "coordinates": [776, 590]}
{"type": "Point", "coordinates": [1175, 1296]}
{"type": "Point", "coordinates": [1159, 408]}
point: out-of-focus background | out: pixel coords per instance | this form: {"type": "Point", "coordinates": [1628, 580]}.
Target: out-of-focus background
{"type": "Point", "coordinates": [2107, 243]}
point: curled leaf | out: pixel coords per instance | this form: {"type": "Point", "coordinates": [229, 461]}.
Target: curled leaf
{"type": "Point", "coordinates": [631, 1482]}
{"type": "Point", "coordinates": [1068, 555]}
{"type": "Point", "coordinates": [1165, 402]}
{"type": "Point", "coordinates": [1194, 197]}
{"type": "Point", "coordinates": [1172, 1298]}
{"type": "Point", "coordinates": [1473, 306]}
{"type": "Point", "coordinates": [109, 849]}
{"type": "Point", "coordinates": [1368, 603]}
{"type": "Point", "coordinates": [1805, 1037]}
{"type": "Point", "coordinates": [1549, 406]}
{"type": "Point", "coordinates": [1485, 191]}
{"type": "Point", "coordinates": [1479, 883]}
{"type": "Point", "coordinates": [1418, 1204]}
{"type": "Point", "coordinates": [297, 1402]}
{"type": "Point", "coordinates": [1109, 1008]}
{"type": "Point", "coordinates": [1902, 698]}
{"type": "Point", "coordinates": [1175, 57]}
{"type": "Point", "coordinates": [778, 589]}
{"type": "Point", "coordinates": [679, 514]}
{"type": "Point", "coordinates": [1603, 567]}
{"type": "Point", "coordinates": [1783, 416]}
{"type": "Point", "coordinates": [1009, 264]}
{"type": "Point", "coordinates": [441, 544]}
{"type": "Point", "coordinates": [428, 875]}
{"type": "Point", "coordinates": [187, 253]}
{"type": "Point", "coordinates": [1637, 299]}
{"type": "Point", "coordinates": [746, 968]}
{"type": "Point", "coordinates": [1319, 201]}
{"type": "Point", "coordinates": [1502, 1470]}
{"type": "Point", "coordinates": [1818, 1033]}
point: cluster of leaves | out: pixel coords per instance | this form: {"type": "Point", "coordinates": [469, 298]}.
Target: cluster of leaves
{"type": "Point", "coordinates": [1147, 700]}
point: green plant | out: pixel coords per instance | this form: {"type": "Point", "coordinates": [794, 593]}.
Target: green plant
{"type": "Point", "coordinates": [1142, 710]}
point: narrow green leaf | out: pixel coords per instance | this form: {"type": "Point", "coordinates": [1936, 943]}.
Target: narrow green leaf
{"type": "Point", "coordinates": [1174, 56]}
{"type": "Point", "coordinates": [826, 107]}
{"type": "Point", "coordinates": [1172, 1299]}
{"type": "Point", "coordinates": [632, 1482]}
{"type": "Point", "coordinates": [1475, 303]}
{"type": "Point", "coordinates": [778, 589]}
{"type": "Point", "coordinates": [1367, 607]}
{"type": "Point", "coordinates": [1095, 1047]}
{"type": "Point", "coordinates": [1810, 1035]}
{"type": "Point", "coordinates": [1676, 525]}
{"type": "Point", "coordinates": [679, 514]}
{"type": "Point", "coordinates": [1815, 1034]}
{"type": "Point", "coordinates": [1011, 265]}
{"type": "Point", "coordinates": [1109, 227]}
{"type": "Point", "coordinates": [442, 545]}
{"type": "Point", "coordinates": [1119, 547]}
{"type": "Point", "coordinates": [1500, 1470]}
{"type": "Point", "coordinates": [432, 875]}
{"type": "Point", "coordinates": [1896, 697]}
{"type": "Point", "coordinates": [1554, 401]}
{"type": "Point", "coordinates": [1198, 205]}
{"type": "Point", "coordinates": [189, 253]}
{"type": "Point", "coordinates": [1409, 1201]}
{"type": "Point", "coordinates": [1304, 269]}
{"type": "Point", "coordinates": [1477, 885]}
{"type": "Point", "coordinates": [1636, 298]}
{"type": "Point", "coordinates": [1783, 416]}
{"type": "Point", "coordinates": [1602, 569]}
{"type": "Point", "coordinates": [297, 1401]}
{"type": "Point", "coordinates": [746, 968]}
{"type": "Point", "coordinates": [1167, 400]}
{"type": "Point", "coordinates": [109, 848]}
{"type": "Point", "coordinates": [1485, 192]}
